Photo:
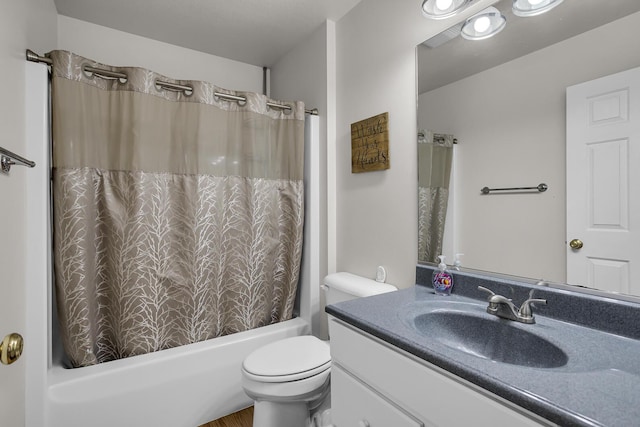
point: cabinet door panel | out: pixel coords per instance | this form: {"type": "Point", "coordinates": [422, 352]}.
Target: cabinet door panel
{"type": "Point", "coordinates": [353, 404]}
{"type": "Point", "coordinates": [421, 389]}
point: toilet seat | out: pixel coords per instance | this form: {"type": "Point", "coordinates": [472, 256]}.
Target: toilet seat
{"type": "Point", "coordinates": [291, 359]}
{"type": "Point", "coordinates": [290, 380]}
{"type": "Point", "coordinates": [306, 389]}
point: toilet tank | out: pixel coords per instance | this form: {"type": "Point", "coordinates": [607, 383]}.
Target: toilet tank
{"type": "Point", "coordinates": [345, 286]}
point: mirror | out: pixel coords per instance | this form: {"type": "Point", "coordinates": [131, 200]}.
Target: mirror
{"type": "Point", "coordinates": [504, 100]}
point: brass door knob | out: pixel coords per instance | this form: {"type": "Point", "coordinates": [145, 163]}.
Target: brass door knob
{"type": "Point", "coordinates": [576, 244]}
{"type": "Point", "coordinates": [11, 348]}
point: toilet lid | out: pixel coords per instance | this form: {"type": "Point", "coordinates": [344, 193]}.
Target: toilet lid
{"type": "Point", "coordinates": [289, 359]}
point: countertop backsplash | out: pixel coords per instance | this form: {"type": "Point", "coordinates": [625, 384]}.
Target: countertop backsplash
{"type": "Point", "coordinates": [606, 314]}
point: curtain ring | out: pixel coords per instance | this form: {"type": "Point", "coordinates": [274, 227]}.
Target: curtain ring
{"type": "Point", "coordinates": [90, 71]}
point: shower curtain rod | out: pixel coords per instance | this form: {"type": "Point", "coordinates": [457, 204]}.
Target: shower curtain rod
{"type": "Point", "coordinates": [112, 75]}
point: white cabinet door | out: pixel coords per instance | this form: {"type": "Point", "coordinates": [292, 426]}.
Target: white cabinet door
{"type": "Point", "coordinates": [430, 394]}
{"type": "Point", "coordinates": [353, 404]}
{"type": "Point", "coordinates": [603, 182]}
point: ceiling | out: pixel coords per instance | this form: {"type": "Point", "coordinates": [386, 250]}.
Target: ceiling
{"type": "Point", "coordinates": [459, 58]}
{"type": "Point", "coordinates": [257, 32]}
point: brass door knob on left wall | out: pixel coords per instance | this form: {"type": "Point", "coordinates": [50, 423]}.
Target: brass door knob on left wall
{"type": "Point", "coordinates": [11, 348]}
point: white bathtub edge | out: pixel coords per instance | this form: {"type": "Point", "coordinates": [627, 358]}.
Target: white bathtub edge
{"type": "Point", "coordinates": [179, 387]}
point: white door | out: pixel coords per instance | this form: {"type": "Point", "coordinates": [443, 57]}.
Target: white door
{"type": "Point", "coordinates": [603, 183]}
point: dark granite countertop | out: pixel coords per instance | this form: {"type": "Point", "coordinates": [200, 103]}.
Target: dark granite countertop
{"type": "Point", "coordinates": [598, 386]}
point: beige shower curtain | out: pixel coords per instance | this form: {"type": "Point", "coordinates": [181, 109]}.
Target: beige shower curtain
{"type": "Point", "coordinates": [435, 153]}
{"type": "Point", "coordinates": [177, 216]}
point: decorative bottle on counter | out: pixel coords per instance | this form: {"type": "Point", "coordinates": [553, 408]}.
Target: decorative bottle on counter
{"type": "Point", "coordinates": [457, 264]}
{"type": "Point", "coordinates": [442, 279]}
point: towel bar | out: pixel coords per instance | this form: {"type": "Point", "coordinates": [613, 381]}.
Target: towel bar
{"type": "Point", "coordinates": [8, 159]}
{"type": "Point", "coordinates": [541, 188]}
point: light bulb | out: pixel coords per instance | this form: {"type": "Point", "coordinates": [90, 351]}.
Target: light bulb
{"type": "Point", "coordinates": [443, 4]}
{"type": "Point", "coordinates": [481, 24]}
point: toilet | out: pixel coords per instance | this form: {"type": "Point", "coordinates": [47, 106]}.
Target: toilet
{"type": "Point", "coordinates": [289, 379]}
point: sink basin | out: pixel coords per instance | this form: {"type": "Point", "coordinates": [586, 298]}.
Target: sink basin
{"type": "Point", "coordinates": [491, 338]}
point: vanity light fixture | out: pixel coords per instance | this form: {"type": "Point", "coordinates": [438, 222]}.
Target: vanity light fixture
{"type": "Point", "coordinates": [441, 9]}
{"type": "Point", "coordinates": [483, 25]}
{"type": "Point", "coordinates": [526, 8]}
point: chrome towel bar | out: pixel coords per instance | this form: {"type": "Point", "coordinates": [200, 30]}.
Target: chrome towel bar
{"type": "Point", "coordinates": [8, 159]}
{"type": "Point", "coordinates": [541, 188]}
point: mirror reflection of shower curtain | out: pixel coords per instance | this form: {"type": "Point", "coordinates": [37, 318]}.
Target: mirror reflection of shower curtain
{"type": "Point", "coordinates": [177, 218]}
{"type": "Point", "coordinates": [435, 153]}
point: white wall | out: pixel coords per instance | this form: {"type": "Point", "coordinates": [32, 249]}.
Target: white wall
{"type": "Point", "coordinates": [306, 73]}
{"type": "Point", "coordinates": [510, 123]}
{"type": "Point", "coordinates": [376, 215]}
{"type": "Point", "coordinates": [114, 47]}
{"type": "Point", "coordinates": [23, 24]}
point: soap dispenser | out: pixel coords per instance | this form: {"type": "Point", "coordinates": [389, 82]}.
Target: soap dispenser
{"type": "Point", "coordinates": [442, 279]}
{"type": "Point", "coordinates": [457, 264]}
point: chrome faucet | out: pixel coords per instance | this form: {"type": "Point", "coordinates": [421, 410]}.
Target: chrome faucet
{"type": "Point", "coordinates": [504, 307]}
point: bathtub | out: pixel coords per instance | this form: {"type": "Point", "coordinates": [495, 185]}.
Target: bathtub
{"type": "Point", "coordinates": [181, 387]}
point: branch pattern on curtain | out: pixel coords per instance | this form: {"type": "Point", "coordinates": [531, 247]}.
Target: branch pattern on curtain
{"type": "Point", "coordinates": [177, 218]}
{"type": "Point", "coordinates": [435, 153]}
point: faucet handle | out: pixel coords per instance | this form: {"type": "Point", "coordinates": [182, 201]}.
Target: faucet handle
{"type": "Point", "coordinates": [525, 308]}
{"type": "Point", "coordinates": [491, 293]}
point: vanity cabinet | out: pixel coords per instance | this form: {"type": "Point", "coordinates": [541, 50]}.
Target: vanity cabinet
{"type": "Point", "coordinates": [366, 407]}
{"type": "Point", "coordinates": [374, 384]}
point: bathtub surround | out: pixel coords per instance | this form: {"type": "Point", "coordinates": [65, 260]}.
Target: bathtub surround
{"type": "Point", "coordinates": [138, 390]}
{"type": "Point", "coordinates": [177, 216]}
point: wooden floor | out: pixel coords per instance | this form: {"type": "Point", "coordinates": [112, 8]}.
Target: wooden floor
{"type": "Point", "coordinates": [243, 418]}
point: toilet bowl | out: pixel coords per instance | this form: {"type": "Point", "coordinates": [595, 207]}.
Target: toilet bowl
{"type": "Point", "coordinates": [289, 379]}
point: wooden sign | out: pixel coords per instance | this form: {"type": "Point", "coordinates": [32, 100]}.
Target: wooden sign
{"type": "Point", "coordinates": [370, 144]}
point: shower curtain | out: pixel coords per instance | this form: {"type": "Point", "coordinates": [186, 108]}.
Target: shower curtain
{"type": "Point", "coordinates": [177, 216]}
{"type": "Point", "coordinates": [435, 153]}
